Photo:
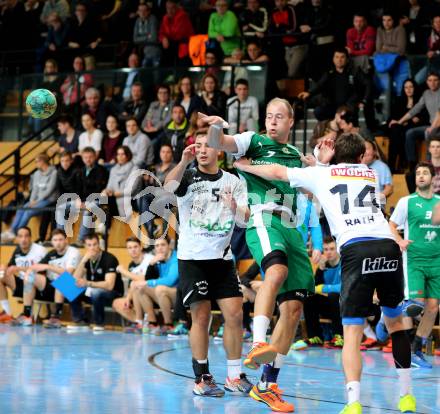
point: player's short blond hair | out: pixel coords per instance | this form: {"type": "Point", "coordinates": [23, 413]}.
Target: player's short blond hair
{"type": "Point", "coordinates": [285, 102]}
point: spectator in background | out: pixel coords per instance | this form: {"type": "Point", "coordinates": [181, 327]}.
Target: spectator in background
{"type": "Point", "coordinates": [187, 96]}
{"type": "Point", "coordinates": [83, 30]}
{"type": "Point", "coordinates": [212, 62]}
{"type": "Point", "coordinates": [254, 20]}
{"type": "Point", "coordinates": [308, 223]}
{"type": "Point", "coordinates": [76, 84]}
{"type": "Point", "coordinates": [325, 301]}
{"type": "Point", "coordinates": [99, 108]}
{"type": "Point", "coordinates": [60, 7]}
{"type": "Point", "coordinates": [139, 144]}
{"type": "Point", "coordinates": [174, 33]}
{"type": "Point", "coordinates": [434, 151]}
{"type": "Point", "coordinates": [111, 141]}
{"type": "Point", "coordinates": [159, 113]}
{"type": "Point", "coordinates": [195, 127]}
{"type": "Point", "coordinates": [243, 112]}
{"type": "Point", "coordinates": [92, 136]}
{"type": "Point", "coordinates": [160, 287]}
{"type": "Point", "coordinates": [117, 189]}
{"type": "Point", "coordinates": [433, 54]}
{"type": "Point", "coordinates": [31, 20]}
{"type": "Point", "coordinates": [317, 29]}
{"type": "Point", "coordinates": [97, 272]}
{"type": "Point", "coordinates": [340, 86]}
{"type": "Point", "coordinates": [223, 27]}
{"type": "Point", "coordinates": [12, 17]}
{"type": "Point", "coordinates": [361, 42]}
{"type": "Point", "coordinates": [174, 133]}
{"type": "Point", "coordinates": [254, 53]}
{"type": "Point", "coordinates": [146, 35]}
{"type": "Point", "coordinates": [161, 171]}
{"type": "Point", "coordinates": [66, 184]}
{"type": "Point", "coordinates": [90, 179]}
{"type": "Point", "coordinates": [69, 138]}
{"type": "Point", "coordinates": [135, 107]}
{"type": "Point", "coordinates": [43, 192]}
{"type": "Point", "coordinates": [390, 51]}
{"type": "Point", "coordinates": [56, 39]}
{"type": "Point", "coordinates": [123, 89]}
{"type": "Point", "coordinates": [283, 21]}
{"type": "Point", "coordinates": [403, 103]}
{"type": "Point", "coordinates": [213, 99]}
{"type": "Point", "coordinates": [430, 101]}
{"type": "Point", "coordinates": [415, 19]}
{"type": "Point", "coordinates": [385, 180]}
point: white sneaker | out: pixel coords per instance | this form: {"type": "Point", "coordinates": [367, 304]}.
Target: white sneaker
{"type": "Point", "coordinates": [98, 328]}
{"type": "Point", "coordinates": [7, 236]}
{"type": "Point", "coordinates": [78, 326]}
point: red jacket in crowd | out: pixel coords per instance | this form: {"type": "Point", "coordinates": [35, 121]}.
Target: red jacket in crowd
{"type": "Point", "coordinates": [177, 29]}
{"type": "Point", "coordinates": [361, 43]}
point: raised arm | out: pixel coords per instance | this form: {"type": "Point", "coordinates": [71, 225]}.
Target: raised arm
{"type": "Point", "coordinates": [174, 177]}
{"type": "Point", "coordinates": [272, 172]}
{"type": "Point", "coordinates": [216, 137]}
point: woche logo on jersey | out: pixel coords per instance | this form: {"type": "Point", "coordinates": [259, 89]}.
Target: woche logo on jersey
{"type": "Point", "coordinates": [354, 172]}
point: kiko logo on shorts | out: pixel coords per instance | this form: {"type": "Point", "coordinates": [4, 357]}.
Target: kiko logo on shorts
{"type": "Point", "coordinates": [378, 265]}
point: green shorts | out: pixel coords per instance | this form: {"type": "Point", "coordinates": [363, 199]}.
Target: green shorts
{"type": "Point", "coordinates": [266, 233]}
{"type": "Point", "coordinates": [424, 281]}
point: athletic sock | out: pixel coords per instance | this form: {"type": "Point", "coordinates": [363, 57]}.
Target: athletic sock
{"type": "Point", "coordinates": [402, 360]}
{"type": "Point", "coordinates": [5, 305]}
{"type": "Point", "coordinates": [271, 371]}
{"type": "Point", "coordinates": [404, 381]}
{"type": "Point", "coordinates": [369, 333]}
{"type": "Point", "coordinates": [27, 311]}
{"type": "Point", "coordinates": [411, 333]}
{"type": "Point", "coordinates": [418, 343]}
{"type": "Point", "coordinates": [353, 391]}
{"type": "Point", "coordinates": [261, 324]}
{"type": "Point", "coordinates": [234, 368]}
{"type": "Point", "coordinates": [200, 367]}
{"type": "Point", "coordinates": [58, 309]}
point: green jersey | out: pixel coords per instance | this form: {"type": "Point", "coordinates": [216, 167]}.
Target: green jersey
{"type": "Point", "coordinates": [268, 195]}
{"type": "Point", "coordinates": [414, 214]}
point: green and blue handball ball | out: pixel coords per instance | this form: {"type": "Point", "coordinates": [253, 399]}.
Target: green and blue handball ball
{"type": "Point", "coordinates": [41, 103]}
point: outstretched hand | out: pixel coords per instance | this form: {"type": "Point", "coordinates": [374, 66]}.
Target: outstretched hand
{"type": "Point", "coordinates": [212, 120]}
{"type": "Point", "coordinates": [326, 151]}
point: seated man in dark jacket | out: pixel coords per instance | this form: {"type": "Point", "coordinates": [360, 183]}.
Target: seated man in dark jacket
{"type": "Point", "coordinates": [174, 133]}
{"type": "Point", "coordinates": [342, 86]}
{"type": "Point", "coordinates": [90, 179]}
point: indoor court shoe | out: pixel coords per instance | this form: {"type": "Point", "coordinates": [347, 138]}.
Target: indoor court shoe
{"type": "Point", "coordinates": [5, 317]}
{"type": "Point", "coordinates": [206, 387]}
{"type": "Point", "coordinates": [22, 320]}
{"type": "Point", "coordinates": [370, 345]}
{"type": "Point", "coordinates": [219, 335]}
{"type": "Point", "coordinates": [418, 360]}
{"type": "Point", "coordinates": [299, 345]}
{"type": "Point", "coordinates": [240, 385]}
{"type": "Point", "coordinates": [52, 323]}
{"type": "Point", "coordinates": [407, 404]}
{"type": "Point", "coordinates": [271, 396]}
{"type": "Point", "coordinates": [179, 329]}
{"type": "Point", "coordinates": [381, 331]}
{"type": "Point", "coordinates": [388, 347]}
{"type": "Point", "coordinates": [78, 326]}
{"type": "Point", "coordinates": [336, 343]}
{"type": "Point", "coordinates": [437, 352]}
{"type": "Point", "coordinates": [260, 353]}
{"type": "Point", "coordinates": [133, 328]}
{"type": "Point", "coordinates": [353, 408]}
{"type": "Point", "coordinates": [412, 308]}
{"type": "Point", "coordinates": [98, 328]}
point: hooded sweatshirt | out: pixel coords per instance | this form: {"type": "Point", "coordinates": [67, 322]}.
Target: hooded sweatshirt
{"type": "Point", "coordinates": [43, 185]}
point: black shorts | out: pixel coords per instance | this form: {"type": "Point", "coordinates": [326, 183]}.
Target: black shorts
{"type": "Point", "coordinates": [208, 280]}
{"type": "Point", "coordinates": [47, 294]}
{"type": "Point", "coordinates": [368, 266]}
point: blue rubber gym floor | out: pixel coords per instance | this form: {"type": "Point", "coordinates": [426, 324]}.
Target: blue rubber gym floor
{"type": "Point", "coordinates": [53, 372]}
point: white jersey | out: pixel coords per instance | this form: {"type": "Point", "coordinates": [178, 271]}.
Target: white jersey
{"type": "Point", "coordinates": [349, 195]}
{"type": "Point", "coordinates": [205, 222]}
{"type": "Point", "coordinates": [68, 260]}
{"type": "Point", "coordinates": [33, 256]}
{"type": "Point", "coordinates": [140, 268]}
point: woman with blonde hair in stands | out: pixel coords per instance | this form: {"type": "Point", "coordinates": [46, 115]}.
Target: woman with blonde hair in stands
{"type": "Point", "coordinates": [214, 100]}
{"type": "Point", "coordinates": [92, 136]}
